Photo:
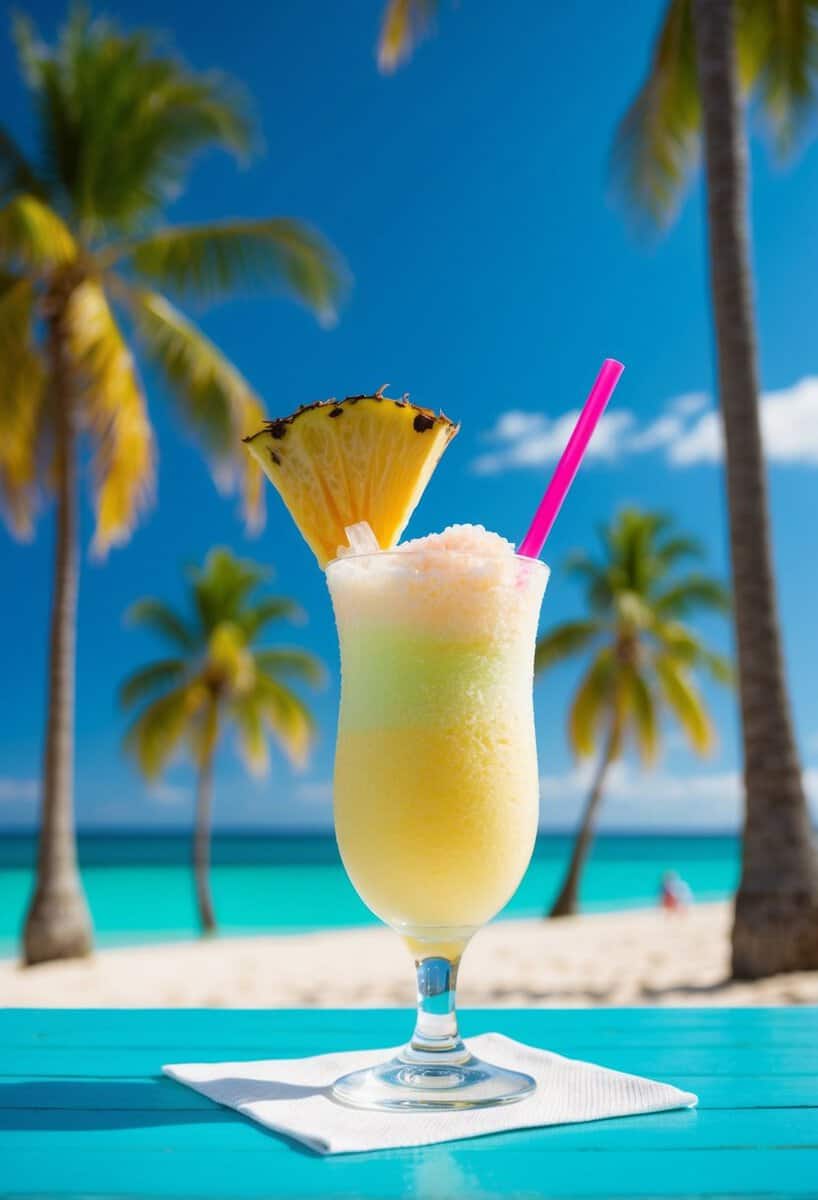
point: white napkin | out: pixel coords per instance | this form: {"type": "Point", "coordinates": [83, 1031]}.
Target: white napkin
{"type": "Point", "coordinates": [291, 1096]}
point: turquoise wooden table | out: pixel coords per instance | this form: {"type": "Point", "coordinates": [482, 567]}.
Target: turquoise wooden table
{"type": "Point", "coordinates": [85, 1113]}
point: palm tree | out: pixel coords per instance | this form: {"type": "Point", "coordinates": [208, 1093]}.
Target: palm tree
{"type": "Point", "coordinates": [711, 58]}
{"type": "Point", "coordinates": [404, 24]}
{"type": "Point", "coordinates": [85, 261]}
{"type": "Point", "coordinates": [218, 677]}
{"type": "Point", "coordinates": [643, 658]}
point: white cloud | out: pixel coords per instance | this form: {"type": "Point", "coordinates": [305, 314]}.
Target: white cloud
{"type": "Point", "coordinates": [689, 403]}
{"type": "Point", "coordinates": [168, 794]}
{"type": "Point", "coordinates": [700, 442]}
{"type": "Point", "coordinates": [515, 424]}
{"type": "Point", "coordinates": [12, 790]}
{"type": "Point", "coordinates": [531, 439]}
{"type": "Point", "coordinates": [659, 799]}
{"type": "Point", "coordinates": [664, 431]}
{"type": "Point", "coordinates": [789, 421]}
{"type": "Point", "coordinates": [687, 431]}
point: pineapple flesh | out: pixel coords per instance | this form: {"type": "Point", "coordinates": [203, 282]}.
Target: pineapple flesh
{"type": "Point", "coordinates": [366, 458]}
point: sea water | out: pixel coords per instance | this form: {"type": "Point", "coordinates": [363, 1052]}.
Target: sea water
{"type": "Point", "coordinates": [140, 884]}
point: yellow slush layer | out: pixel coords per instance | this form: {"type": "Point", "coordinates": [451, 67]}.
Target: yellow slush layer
{"type": "Point", "coordinates": [436, 825]}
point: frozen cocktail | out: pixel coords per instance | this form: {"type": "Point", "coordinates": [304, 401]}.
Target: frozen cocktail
{"type": "Point", "coordinates": [436, 783]}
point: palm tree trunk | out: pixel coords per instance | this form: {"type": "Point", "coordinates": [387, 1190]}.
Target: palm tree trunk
{"type": "Point", "coordinates": [58, 923]}
{"type": "Point", "coordinates": [201, 846]}
{"type": "Point", "coordinates": [567, 901]}
{"type": "Point", "coordinates": [776, 912]}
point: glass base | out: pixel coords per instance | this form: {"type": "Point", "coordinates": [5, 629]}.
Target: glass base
{"type": "Point", "coordinates": [424, 1085]}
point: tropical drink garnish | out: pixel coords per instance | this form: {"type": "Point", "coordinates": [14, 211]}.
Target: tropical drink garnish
{"type": "Point", "coordinates": [341, 462]}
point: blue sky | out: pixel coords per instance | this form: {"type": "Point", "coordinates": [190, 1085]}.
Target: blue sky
{"type": "Point", "coordinates": [491, 274]}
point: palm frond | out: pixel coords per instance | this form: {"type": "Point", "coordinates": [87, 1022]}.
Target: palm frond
{"type": "Point", "coordinates": [565, 640]}
{"type": "Point", "coordinates": [284, 661]}
{"type": "Point", "coordinates": [228, 659]}
{"type": "Point", "coordinates": [247, 714]}
{"type": "Point", "coordinates": [685, 702]}
{"type": "Point", "coordinates": [121, 121]}
{"type": "Point", "coordinates": [18, 318]}
{"type": "Point", "coordinates": [719, 666]}
{"type": "Point", "coordinates": [29, 45]}
{"type": "Point", "coordinates": [287, 717]}
{"type": "Point", "coordinates": [215, 260]}
{"type": "Point", "coordinates": [157, 676]}
{"type": "Point", "coordinates": [692, 592]}
{"type": "Point", "coordinates": [632, 539]}
{"type": "Point", "coordinates": [656, 144]}
{"type": "Point", "coordinates": [22, 394]}
{"type": "Point", "coordinates": [215, 399]}
{"type": "Point", "coordinates": [595, 579]}
{"type": "Point", "coordinates": [159, 730]}
{"type": "Point", "coordinates": [33, 236]}
{"type": "Point", "coordinates": [632, 610]}
{"type": "Point", "coordinates": [222, 586]}
{"type": "Point", "coordinates": [777, 43]}
{"type": "Point", "coordinates": [115, 413]}
{"type": "Point", "coordinates": [204, 729]}
{"type": "Point", "coordinates": [678, 547]}
{"type": "Point", "coordinates": [679, 642]}
{"type": "Point", "coordinates": [405, 23]}
{"type": "Point", "coordinates": [16, 173]}
{"type": "Point", "coordinates": [273, 608]}
{"type": "Point", "coordinates": [160, 618]}
{"type": "Point", "coordinates": [593, 699]}
{"type": "Point", "coordinates": [642, 710]}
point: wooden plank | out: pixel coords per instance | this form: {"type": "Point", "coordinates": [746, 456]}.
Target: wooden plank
{"type": "Point", "coordinates": [121, 1095]}
{"type": "Point", "coordinates": [721, 1091]}
{"type": "Point", "coordinates": [667, 1063]}
{"type": "Point", "coordinates": [236, 1027]}
{"type": "Point", "coordinates": [105, 1128]}
{"type": "Point", "coordinates": [430, 1173]}
{"type": "Point", "coordinates": [742, 1042]}
{"type": "Point", "coordinates": [124, 1093]}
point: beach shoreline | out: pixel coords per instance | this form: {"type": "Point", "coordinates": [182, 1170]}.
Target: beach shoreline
{"type": "Point", "coordinates": [627, 957]}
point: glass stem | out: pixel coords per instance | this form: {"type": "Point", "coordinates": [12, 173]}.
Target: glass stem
{"type": "Point", "coordinates": [436, 1034]}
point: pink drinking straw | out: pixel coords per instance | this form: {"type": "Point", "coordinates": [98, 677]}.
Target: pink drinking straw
{"type": "Point", "coordinates": [567, 467]}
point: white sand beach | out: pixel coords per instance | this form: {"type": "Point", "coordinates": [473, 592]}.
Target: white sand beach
{"type": "Point", "coordinates": [622, 958]}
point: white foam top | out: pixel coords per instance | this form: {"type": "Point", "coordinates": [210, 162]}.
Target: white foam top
{"type": "Point", "coordinates": [459, 539]}
{"type": "Point", "coordinates": [465, 580]}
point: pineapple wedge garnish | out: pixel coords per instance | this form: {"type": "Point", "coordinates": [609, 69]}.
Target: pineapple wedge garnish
{"type": "Point", "coordinates": [366, 458]}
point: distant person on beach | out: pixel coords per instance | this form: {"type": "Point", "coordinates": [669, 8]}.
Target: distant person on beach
{"type": "Point", "coordinates": [675, 895]}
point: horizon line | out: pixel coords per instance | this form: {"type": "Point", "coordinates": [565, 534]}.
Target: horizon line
{"type": "Point", "coordinates": [250, 831]}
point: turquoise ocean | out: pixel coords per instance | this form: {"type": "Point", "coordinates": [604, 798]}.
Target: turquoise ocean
{"type": "Point", "coordinates": [140, 889]}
